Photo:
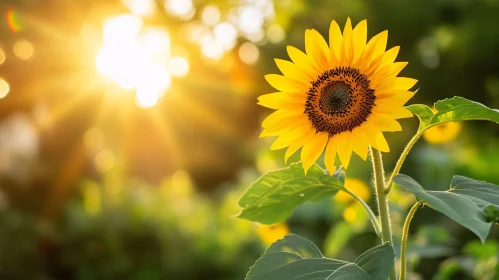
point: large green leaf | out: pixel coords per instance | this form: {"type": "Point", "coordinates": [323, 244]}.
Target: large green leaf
{"type": "Point", "coordinates": [452, 110]}
{"type": "Point", "coordinates": [464, 202]}
{"type": "Point", "coordinates": [274, 196]}
{"type": "Point", "coordinates": [295, 257]}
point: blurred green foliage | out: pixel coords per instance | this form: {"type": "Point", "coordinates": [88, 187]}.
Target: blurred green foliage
{"type": "Point", "coordinates": [115, 226]}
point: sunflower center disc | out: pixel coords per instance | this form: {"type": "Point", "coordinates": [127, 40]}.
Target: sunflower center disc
{"type": "Point", "coordinates": [334, 97]}
{"type": "Point", "coordinates": [339, 100]}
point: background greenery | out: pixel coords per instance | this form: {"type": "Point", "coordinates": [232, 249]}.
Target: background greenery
{"type": "Point", "coordinates": [94, 187]}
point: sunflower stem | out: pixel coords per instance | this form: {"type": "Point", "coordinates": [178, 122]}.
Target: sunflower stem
{"type": "Point", "coordinates": [374, 219]}
{"type": "Point", "coordinates": [384, 214]}
{"type": "Point", "coordinates": [405, 234]}
{"type": "Point", "coordinates": [401, 160]}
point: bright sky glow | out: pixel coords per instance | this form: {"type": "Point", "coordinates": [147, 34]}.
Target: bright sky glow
{"type": "Point", "coordinates": [248, 53]}
{"type": "Point", "coordinates": [147, 96]}
{"type": "Point", "coordinates": [135, 58]}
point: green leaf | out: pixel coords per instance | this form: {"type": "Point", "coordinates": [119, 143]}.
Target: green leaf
{"type": "Point", "coordinates": [452, 110]}
{"type": "Point", "coordinates": [295, 257]}
{"type": "Point", "coordinates": [377, 262]}
{"type": "Point", "coordinates": [492, 213]}
{"type": "Point", "coordinates": [274, 196]}
{"type": "Point", "coordinates": [349, 272]}
{"type": "Point", "coordinates": [458, 207]}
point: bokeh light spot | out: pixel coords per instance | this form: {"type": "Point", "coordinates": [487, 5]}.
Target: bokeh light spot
{"type": "Point", "coordinates": [121, 30]}
{"type": "Point", "coordinates": [249, 53]}
{"type": "Point", "coordinates": [104, 161]}
{"type": "Point", "coordinates": [4, 88]}
{"type": "Point", "coordinates": [179, 7]}
{"type": "Point", "coordinates": [2, 56]}
{"type": "Point", "coordinates": [211, 48]}
{"type": "Point", "coordinates": [211, 15]}
{"type": "Point", "coordinates": [178, 66]}
{"type": "Point", "coordinates": [147, 96]}
{"type": "Point", "coordinates": [276, 33]}
{"type": "Point", "coordinates": [23, 49]}
{"type": "Point", "coordinates": [141, 7]}
{"type": "Point", "coordinates": [226, 34]}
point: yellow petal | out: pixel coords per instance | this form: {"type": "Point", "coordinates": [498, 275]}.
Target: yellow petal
{"type": "Point", "coordinates": [393, 97]}
{"type": "Point", "coordinates": [344, 148]}
{"type": "Point", "coordinates": [394, 111]}
{"type": "Point", "coordinates": [375, 137]}
{"type": "Point", "coordinates": [346, 44]}
{"type": "Point", "coordinates": [298, 143]}
{"type": "Point", "coordinates": [335, 39]}
{"type": "Point", "coordinates": [316, 48]}
{"type": "Point", "coordinates": [366, 56]}
{"type": "Point", "coordinates": [405, 83]}
{"type": "Point", "coordinates": [384, 122]}
{"type": "Point", "coordinates": [273, 132]}
{"type": "Point", "coordinates": [282, 118]}
{"type": "Point", "coordinates": [291, 70]}
{"type": "Point", "coordinates": [313, 149]}
{"type": "Point", "coordinates": [359, 143]}
{"type": "Point", "coordinates": [283, 100]}
{"type": "Point", "coordinates": [387, 71]}
{"type": "Point", "coordinates": [380, 46]}
{"type": "Point", "coordinates": [390, 56]}
{"type": "Point", "coordinates": [291, 150]}
{"type": "Point", "coordinates": [374, 65]}
{"type": "Point", "coordinates": [302, 61]}
{"type": "Point", "coordinates": [283, 83]}
{"type": "Point", "coordinates": [381, 143]}
{"type": "Point", "coordinates": [289, 137]}
{"type": "Point", "coordinates": [330, 155]}
{"type": "Point", "coordinates": [359, 39]}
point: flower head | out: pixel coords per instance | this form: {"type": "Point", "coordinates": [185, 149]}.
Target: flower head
{"type": "Point", "coordinates": [271, 233]}
{"type": "Point", "coordinates": [356, 186]}
{"type": "Point", "coordinates": [338, 98]}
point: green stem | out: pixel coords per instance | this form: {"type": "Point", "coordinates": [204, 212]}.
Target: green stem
{"type": "Point", "coordinates": [405, 234]}
{"type": "Point", "coordinates": [379, 179]}
{"type": "Point", "coordinates": [401, 160]}
{"type": "Point", "coordinates": [370, 212]}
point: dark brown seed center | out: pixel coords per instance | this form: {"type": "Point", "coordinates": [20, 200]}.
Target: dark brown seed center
{"type": "Point", "coordinates": [334, 97]}
{"type": "Point", "coordinates": [339, 100]}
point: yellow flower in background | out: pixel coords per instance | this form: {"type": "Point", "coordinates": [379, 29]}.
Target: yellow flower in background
{"type": "Point", "coordinates": [350, 214]}
{"type": "Point", "coordinates": [356, 186]}
{"type": "Point", "coordinates": [270, 234]}
{"type": "Point", "coordinates": [338, 98]}
{"type": "Point", "coordinates": [442, 133]}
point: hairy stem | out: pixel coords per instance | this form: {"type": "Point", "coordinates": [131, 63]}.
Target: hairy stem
{"type": "Point", "coordinates": [370, 212]}
{"type": "Point", "coordinates": [405, 234]}
{"type": "Point", "coordinates": [401, 160]}
{"type": "Point", "coordinates": [379, 179]}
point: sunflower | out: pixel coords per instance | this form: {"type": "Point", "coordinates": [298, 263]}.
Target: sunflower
{"type": "Point", "coordinates": [338, 98]}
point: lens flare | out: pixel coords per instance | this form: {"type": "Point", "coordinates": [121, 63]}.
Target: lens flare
{"type": "Point", "coordinates": [136, 58]}
{"type": "Point", "coordinates": [23, 49]}
{"type": "Point", "coordinates": [14, 21]}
